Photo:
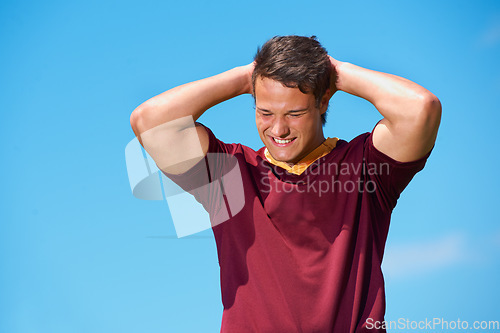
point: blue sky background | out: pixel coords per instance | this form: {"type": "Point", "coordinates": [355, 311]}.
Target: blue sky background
{"type": "Point", "coordinates": [78, 253]}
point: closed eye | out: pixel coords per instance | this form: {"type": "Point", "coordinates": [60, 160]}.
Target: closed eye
{"type": "Point", "coordinates": [292, 113]}
{"type": "Point", "coordinates": [264, 113]}
{"type": "Point", "coordinates": [296, 114]}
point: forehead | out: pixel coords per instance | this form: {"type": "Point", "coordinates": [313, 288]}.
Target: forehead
{"type": "Point", "coordinates": [272, 94]}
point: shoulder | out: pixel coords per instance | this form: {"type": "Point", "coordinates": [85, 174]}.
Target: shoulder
{"type": "Point", "coordinates": [350, 149]}
{"type": "Point", "coordinates": [363, 144]}
{"type": "Point", "coordinates": [239, 150]}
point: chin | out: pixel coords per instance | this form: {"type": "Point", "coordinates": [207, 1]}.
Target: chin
{"type": "Point", "coordinates": [281, 158]}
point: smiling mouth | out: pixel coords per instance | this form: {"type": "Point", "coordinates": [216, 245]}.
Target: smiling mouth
{"type": "Point", "coordinates": [282, 141]}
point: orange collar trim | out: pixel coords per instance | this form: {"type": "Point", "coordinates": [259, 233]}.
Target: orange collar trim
{"type": "Point", "coordinates": [325, 148]}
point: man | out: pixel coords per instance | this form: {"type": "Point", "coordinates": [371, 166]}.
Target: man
{"type": "Point", "coordinates": [303, 254]}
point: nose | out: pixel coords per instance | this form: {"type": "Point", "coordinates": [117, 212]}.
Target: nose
{"type": "Point", "coordinates": [280, 127]}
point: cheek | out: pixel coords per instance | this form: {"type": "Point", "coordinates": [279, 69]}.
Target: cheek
{"type": "Point", "coordinates": [305, 126]}
{"type": "Point", "coordinates": [262, 124]}
{"type": "Point", "coordinates": [300, 124]}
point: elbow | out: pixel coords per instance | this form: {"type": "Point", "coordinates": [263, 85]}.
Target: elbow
{"type": "Point", "coordinates": [135, 120]}
{"type": "Point", "coordinates": [432, 104]}
{"type": "Point", "coordinates": [138, 118]}
{"type": "Point", "coordinates": [430, 111]}
{"type": "Point", "coordinates": [433, 109]}
{"type": "Point", "coordinates": [134, 117]}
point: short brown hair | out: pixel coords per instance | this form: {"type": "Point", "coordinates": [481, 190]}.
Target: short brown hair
{"type": "Point", "coordinates": [297, 62]}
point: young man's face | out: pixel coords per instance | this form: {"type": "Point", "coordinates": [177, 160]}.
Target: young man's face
{"type": "Point", "coordinates": [288, 121]}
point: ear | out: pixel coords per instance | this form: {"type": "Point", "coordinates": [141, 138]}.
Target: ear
{"type": "Point", "coordinates": [324, 101]}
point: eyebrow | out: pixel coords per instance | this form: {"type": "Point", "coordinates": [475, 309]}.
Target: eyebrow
{"type": "Point", "coordinates": [289, 111]}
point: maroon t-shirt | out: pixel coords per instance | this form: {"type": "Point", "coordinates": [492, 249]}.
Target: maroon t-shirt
{"type": "Point", "coordinates": [300, 253]}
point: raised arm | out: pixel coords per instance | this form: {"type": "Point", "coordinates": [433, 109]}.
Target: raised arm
{"type": "Point", "coordinates": [162, 123]}
{"type": "Point", "coordinates": [411, 113]}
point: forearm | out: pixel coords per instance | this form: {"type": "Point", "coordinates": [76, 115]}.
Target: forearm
{"type": "Point", "coordinates": [396, 98]}
{"type": "Point", "coordinates": [191, 99]}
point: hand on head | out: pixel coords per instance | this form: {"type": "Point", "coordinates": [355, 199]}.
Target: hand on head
{"type": "Point", "coordinates": [334, 79]}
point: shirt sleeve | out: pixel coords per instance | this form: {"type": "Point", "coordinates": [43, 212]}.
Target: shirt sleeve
{"type": "Point", "coordinates": [386, 176]}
